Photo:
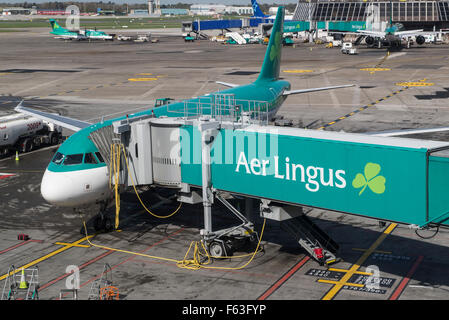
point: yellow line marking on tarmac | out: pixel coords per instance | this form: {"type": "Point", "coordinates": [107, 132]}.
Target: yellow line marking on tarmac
{"type": "Point", "coordinates": [376, 251]}
{"type": "Point", "coordinates": [142, 79]}
{"type": "Point", "coordinates": [375, 69]}
{"type": "Point", "coordinates": [346, 284]}
{"type": "Point", "coordinates": [343, 281]}
{"type": "Point", "coordinates": [344, 270]}
{"type": "Point", "coordinates": [297, 71]}
{"type": "Point", "coordinates": [47, 256]}
{"type": "Point", "coordinates": [73, 245]}
{"type": "Point", "coordinates": [419, 83]}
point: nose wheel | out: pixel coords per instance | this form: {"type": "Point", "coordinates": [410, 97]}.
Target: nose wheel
{"type": "Point", "coordinates": [103, 223]}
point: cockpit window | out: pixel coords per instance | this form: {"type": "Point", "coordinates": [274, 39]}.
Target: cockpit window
{"type": "Point", "coordinates": [89, 158]}
{"type": "Point", "coordinates": [73, 159]}
{"type": "Point", "coordinates": [57, 159]}
{"type": "Point", "coordinates": [99, 157]}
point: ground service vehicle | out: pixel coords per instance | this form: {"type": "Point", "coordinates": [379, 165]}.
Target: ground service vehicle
{"type": "Point", "coordinates": [23, 133]}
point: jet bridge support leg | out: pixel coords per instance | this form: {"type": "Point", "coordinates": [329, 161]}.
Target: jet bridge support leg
{"type": "Point", "coordinates": [221, 242]}
{"type": "Point", "coordinates": [207, 129]}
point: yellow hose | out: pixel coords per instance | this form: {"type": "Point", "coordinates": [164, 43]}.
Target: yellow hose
{"type": "Point", "coordinates": [193, 264]}
{"type": "Point", "coordinates": [140, 200]}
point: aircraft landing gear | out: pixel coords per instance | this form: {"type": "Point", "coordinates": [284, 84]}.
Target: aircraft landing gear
{"type": "Point", "coordinates": [101, 222]}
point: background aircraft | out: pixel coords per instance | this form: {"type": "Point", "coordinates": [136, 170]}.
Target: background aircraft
{"type": "Point", "coordinates": [62, 33]}
{"type": "Point", "coordinates": [391, 34]}
{"type": "Point", "coordinates": [87, 34]}
{"type": "Point", "coordinates": [259, 14]}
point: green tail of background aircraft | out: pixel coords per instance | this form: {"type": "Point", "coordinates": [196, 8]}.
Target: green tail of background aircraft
{"type": "Point", "coordinates": [78, 159]}
{"type": "Point", "coordinates": [62, 33]}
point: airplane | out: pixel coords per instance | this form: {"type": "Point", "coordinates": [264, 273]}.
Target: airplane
{"type": "Point", "coordinates": [62, 33]}
{"type": "Point", "coordinates": [257, 12]}
{"type": "Point", "coordinates": [98, 35]}
{"type": "Point", "coordinates": [393, 35]}
{"type": "Point", "coordinates": [78, 163]}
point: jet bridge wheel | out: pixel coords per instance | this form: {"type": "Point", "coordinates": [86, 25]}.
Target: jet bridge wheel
{"type": "Point", "coordinates": [219, 248]}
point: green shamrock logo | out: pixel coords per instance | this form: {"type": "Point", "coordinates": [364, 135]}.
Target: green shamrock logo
{"type": "Point", "coordinates": [274, 52]}
{"type": "Point", "coordinates": [371, 179]}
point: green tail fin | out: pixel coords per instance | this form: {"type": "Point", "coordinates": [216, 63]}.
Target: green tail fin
{"type": "Point", "coordinates": [54, 24]}
{"type": "Point", "coordinates": [272, 60]}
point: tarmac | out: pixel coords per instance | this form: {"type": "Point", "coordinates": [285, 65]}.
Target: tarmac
{"type": "Point", "coordinates": [92, 80]}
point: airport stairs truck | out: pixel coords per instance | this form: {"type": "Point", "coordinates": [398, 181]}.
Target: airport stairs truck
{"type": "Point", "coordinates": [19, 132]}
{"type": "Point", "coordinates": [237, 37]}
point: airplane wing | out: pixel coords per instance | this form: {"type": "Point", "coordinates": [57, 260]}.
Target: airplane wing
{"type": "Point", "coordinates": [288, 92]}
{"type": "Point", "coordinates": [395, 133]}
{"type": "Point", "coordinates": [371, 33]}
{"type": "Point", "coordinates": [409, 32]}
{"type": "Point", "coordinates": [231, 85]}
{"type": "Point", "coordinates": [64, 122]}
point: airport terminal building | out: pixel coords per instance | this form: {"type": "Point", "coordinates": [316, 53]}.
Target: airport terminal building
{"type": "Point", "coordinates": [411, 14]}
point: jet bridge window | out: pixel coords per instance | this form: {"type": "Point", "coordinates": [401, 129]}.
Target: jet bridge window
{"type": "Point", "coordinates": [57, 159]}
{"type": "Point", "coordinates": [73, 159]}
{"type": "Point", "coordinates": [89, 158]}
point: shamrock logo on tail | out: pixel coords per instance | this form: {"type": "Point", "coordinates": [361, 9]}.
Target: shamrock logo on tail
{"type": "Point", "coordinates": [274, 52]}
{"type": "Point", "coordinates": [371, 179]}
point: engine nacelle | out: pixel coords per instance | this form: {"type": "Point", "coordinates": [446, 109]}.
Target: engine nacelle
{"type": "Point", "coordinates": [420, 40]}
{"type": "Point", "coordinates": [369, 40]}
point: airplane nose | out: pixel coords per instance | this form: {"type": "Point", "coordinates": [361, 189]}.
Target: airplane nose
{"type": "Point", "coordinates": [55, 188]}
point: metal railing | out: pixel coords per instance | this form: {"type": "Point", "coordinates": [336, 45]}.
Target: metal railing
{"type": "Point", "coordinates": [223, 107]}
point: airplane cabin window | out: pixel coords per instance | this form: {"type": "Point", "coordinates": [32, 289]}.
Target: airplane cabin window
{"type": "Point", "coordinates": [89, 158]}
{"type": "Point", "coordinates": [57, 159]}
{"type": "Point", "coordinates": [73, 159]}
{"type": "Point", "coordinates": [99, 157]}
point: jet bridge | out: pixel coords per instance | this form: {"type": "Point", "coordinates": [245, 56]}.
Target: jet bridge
{"type": "Point", "coordinates": [217, 150]}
